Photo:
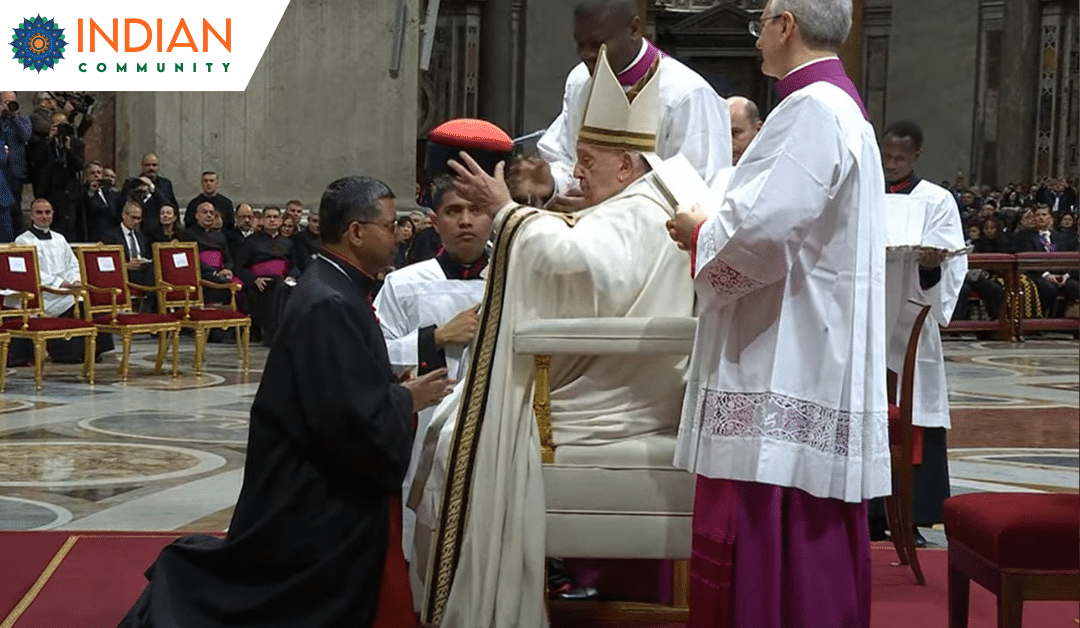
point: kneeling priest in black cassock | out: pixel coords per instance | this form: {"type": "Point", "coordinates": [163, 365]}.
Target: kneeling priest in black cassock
{"type": "Point", "coordinates": [315, 539]}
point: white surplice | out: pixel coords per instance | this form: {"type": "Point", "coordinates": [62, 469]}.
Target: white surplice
{"type": "Point", "coordinates": [413, 297]}
{"type": "Point", "coordinates": [787, 382]}
{"type": "Point", "coordinates": [57, 264]}
{"type": "Point", "coordinates": [694, 123]}
{"type": "Point", "coordinates": [942, 228]}
{"type": "Point", "coordinates": [616, 261]}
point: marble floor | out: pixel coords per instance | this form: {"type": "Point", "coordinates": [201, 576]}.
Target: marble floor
{"type": "Point", "coordinates": [158, 453]}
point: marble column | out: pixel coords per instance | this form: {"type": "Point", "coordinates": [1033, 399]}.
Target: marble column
{"type": "Point", "coordinates": [1017, 100]}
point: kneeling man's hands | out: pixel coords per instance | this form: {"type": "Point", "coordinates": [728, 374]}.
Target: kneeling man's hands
{"type": "Point", "coordinates": [681, 228]}
{"type": "Point", "coordinates": [428, 390]}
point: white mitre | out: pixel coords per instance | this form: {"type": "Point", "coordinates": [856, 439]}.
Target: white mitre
{"type": "Point", "coordinates": [615, 118]}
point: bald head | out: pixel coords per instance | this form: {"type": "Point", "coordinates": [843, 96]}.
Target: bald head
{"type": "Point", "coordinates": [611, 23]}
{"type": "Point", "coordinates": [610, 9]}
{"type": "Point", "coordinates": [745, 122]}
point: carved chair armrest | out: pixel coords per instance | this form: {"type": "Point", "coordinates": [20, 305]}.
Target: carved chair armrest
{"type": "Point", "coordinates": [164, 288]}
{"type": "Point", "coordinates": [221, 286]}
{"type": "Point", "coordinates": [24, 297]}
{"type": "Point", "coordinates": [113, 294]}
{"type": "Point", "coordinates": [592, 336]}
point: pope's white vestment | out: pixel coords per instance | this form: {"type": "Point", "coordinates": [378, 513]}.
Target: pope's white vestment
{"type": "Point", "coordinates": [611, 260]}
{"type": "Point", "coordinates": [57, 264]}
{"type": "Point", "coordinates": [942, 228]}
{"type": "Point", "coordinates": [787, 383]}
{"type": "Point", "coordinates": [694, 122]}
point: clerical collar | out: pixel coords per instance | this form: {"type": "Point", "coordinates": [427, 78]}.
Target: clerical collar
{"type": "Point", "coordinates": [357, 274]}
{"type": "Point", "coordinates": [829, 70]}
{"type": "Point", "coordinates": [455, 270]}
{"type": "Point", "coordinates": [641, 64]}
{"type": "Point", "coordinates": [41, 234]}
{"type": "Point", "coordinates": [903, 186]}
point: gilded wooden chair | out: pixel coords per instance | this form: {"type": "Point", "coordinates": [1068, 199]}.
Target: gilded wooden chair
{"type": "Point", "coordinates": [905, 444]}
{"type": "Point", "coordinates": [179, 289]}
{"type": "Point", "coordinates": [22, 314]}
{"type": "Point", "coordinates": [621, 500]}
{"type": "Point", "coordinates": [5, 342]}
{"type": "Point", "coordinates": [109, 305]}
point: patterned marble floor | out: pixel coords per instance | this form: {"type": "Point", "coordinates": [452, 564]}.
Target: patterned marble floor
{"type": "Point", "coordinates": [162, 454]}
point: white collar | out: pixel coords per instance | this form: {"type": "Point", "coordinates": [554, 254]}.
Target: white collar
{"type": "Point", "coordinates": [640, 54]}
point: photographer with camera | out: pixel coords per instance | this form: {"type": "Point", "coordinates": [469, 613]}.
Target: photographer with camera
{"type": "Point", "coordinates": [15, 132]}
{"type": "Point", "coordinates": [77, 105]}
{"type": "Point", "coordinates": [57, 162]}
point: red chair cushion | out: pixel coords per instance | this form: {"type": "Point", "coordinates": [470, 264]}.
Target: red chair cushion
{"type": "Point", "coordinates": [48, 324]}
{"type": "Point", "coordinates": [135, 319]}
{"type": "Point", "coordinates": [210, 314]}
{"type": "Point", "coordinates": [1018, 530]}
{"type": "Point", "coordinates": [916, 434]}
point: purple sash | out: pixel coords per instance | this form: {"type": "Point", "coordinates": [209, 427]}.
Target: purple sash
{"type": "Point", "coordinates": [270, 268]}
{"type": "Point", "coordinates": [212, 258]}
{"type": "Point", "coordinates": [828, 70]}
{"type": "Point", "coordinates": [637, 71]}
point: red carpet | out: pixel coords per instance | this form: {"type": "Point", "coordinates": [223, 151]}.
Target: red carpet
{"type": "Point", "coordinates": [62, 579]}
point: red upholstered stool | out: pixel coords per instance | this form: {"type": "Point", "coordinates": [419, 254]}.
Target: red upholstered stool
{"type": "Point", "coordinates": [1019, 546]}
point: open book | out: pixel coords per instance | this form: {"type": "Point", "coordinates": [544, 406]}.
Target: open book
{"type": "Point", "coordinates": [680, 182]}
{"type": "Point", "coordinates": [904, 220]}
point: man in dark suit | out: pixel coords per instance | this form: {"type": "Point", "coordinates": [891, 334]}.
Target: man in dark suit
{"type": "Point", "coordinates": [57, 161]}
{"type": "Point", "coordinates": [221, 203]}
{"type": "Point", "coordinates": [97, 205]}
{"type": "Point", "coordinates": [1057, 195]}
{"type": "Point", "coordinates": [242, 230]}
{"type": "Point", "coordinates": [1043, 239]}
{"type": "Point", "coordinates": [137, 250]}
{"type": "Point", "coordinates": [151, 169]}
{"type": "Point", "coordinates": [149, 197]}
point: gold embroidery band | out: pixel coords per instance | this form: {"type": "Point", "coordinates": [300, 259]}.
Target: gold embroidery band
{"type": "Point", "coordinates": [455, 502]}
{"type": "Point", "coordinates": [644, 142]}
{"type": "Point", "coordinates": [40, 583]}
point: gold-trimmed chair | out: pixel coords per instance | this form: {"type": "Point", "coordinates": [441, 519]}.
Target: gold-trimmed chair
{"type": "Point", "coordinates": [5, 342]}
{"type": "Point", "coordinates": [20, 283]}
{"type": "Point", "coordinates": [109, 307]}
{"type": "Point", "coordinates": [179, 288]}
{"type": "Point", "coordinates": [622, 500]}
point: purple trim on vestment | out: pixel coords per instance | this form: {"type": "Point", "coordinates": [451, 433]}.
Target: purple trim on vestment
{"type": "Point", "coordinates": [830, 71]}
{"type": "Point", "coordinates": [637, 71]}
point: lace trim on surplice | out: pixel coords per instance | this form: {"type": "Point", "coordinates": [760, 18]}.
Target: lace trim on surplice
{"type": "Point", "coordinates": [782, 418]}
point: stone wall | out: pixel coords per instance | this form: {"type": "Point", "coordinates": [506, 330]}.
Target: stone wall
{"type": "Point", "coordinates": [321, 104]}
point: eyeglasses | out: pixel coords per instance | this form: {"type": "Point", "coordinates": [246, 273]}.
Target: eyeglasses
{"type": "Point", "coordinates": [389, 226]}
{"type": "Point", "coordinates": [758, 27]}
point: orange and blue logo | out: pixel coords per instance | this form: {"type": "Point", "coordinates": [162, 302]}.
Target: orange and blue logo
{"type": "Point", "coordinates": [38, 44]}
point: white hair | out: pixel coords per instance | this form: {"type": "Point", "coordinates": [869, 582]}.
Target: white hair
{"type": "Point", "coordinates": [824, 24]}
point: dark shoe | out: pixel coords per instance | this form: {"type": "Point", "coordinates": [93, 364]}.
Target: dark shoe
{"type": "Point", "coordinates": [878, 530]}
{"type": "Point", "coordinates": [582, 593]}
{"type": "Point", "coordinates": [920, 541]}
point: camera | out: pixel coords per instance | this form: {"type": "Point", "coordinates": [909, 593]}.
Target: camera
{"type": "Point", "coordinates": [81, 102]}
{"type": "Point", "coordinates": [66, 129]}
{"type": "Point", "coordinates": [12, 107]}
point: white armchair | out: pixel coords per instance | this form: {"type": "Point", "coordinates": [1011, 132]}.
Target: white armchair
{"type": "Point", "coordinates": [623, 500]}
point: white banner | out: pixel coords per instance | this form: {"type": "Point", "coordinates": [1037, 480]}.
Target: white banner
{"type": "Point", "coordinates": [193, 45]}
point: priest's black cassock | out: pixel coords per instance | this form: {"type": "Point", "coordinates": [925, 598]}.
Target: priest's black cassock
{"type": "Point", "coordinates": [215, 243]}
{"type": "Point", "coordinates": [256, 259]}
{"type": "Point", "coordinates": [328, 447]}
